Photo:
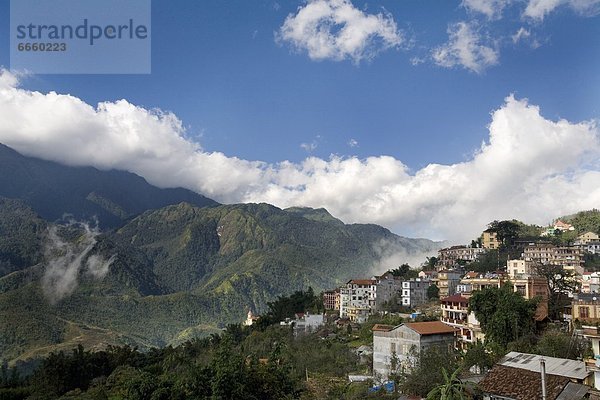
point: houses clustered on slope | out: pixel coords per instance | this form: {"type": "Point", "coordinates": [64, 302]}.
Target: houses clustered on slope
{"type": "Point", "coordinates": [457, 327]}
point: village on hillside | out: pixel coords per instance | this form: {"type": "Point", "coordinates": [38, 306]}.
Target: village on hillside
{"type": "Point", "coordinates": [456, 302]}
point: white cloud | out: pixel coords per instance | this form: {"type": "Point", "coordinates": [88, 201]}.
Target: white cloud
{"type": "Point", "coordinates": [309, 147]}
{"type": "Point", "coordinates": [464, 48]}
{"type": "Point", "coordinates": [417, 60]}
{"type": "Point", "coordinates": [336, 30]}
{"type": "Point", "coordinates": [312, 146]}
{"type": "Point", "coordinates": [538, 9]}
{"type": "Point", "coordinates": [353, 143]}
{"type": "Point", "coordinates": [531, 168]}
{"type": "Point", "coordinates": [521, 34]}
{"type": "Point", "coordinates": [490, 8]}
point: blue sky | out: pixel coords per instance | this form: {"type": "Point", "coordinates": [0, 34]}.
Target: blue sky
{"type": "Point", "coordinates": [244, 88]}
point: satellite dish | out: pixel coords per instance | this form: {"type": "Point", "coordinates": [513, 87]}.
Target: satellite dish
{"type": "Point", "coordinates": [594, 298]}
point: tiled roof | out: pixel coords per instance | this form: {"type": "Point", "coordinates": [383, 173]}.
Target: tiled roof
{"type": "Point", "coordinates": [382, 328]}
{"type": "Point", "coordinates": [456, 298]}
{"type": "Point", "coordinates": [471, 274]}
{"type": "Point", "coordinates": [521, 384]}
{"type": "Point", "coordinates": [430, 328]}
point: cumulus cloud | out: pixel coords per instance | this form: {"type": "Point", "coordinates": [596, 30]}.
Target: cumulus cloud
{"type": "Point", "coordinates": [353, 143]}
{"type": "Point", "coordinates": [464, 48]}
{"type": "Point", "coordinates": [490, 8]}
{"type": "Point", "coordinates": [534, 9]}
{"type": "Point", "coordinates": [531, 168]}
{"type": "Point", "coordinates": [336, 30]}
{"type": "Point", "coordinates": [538, 9]}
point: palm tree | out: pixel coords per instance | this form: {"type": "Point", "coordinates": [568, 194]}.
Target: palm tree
{"type": "Point", "coordinates": [451, 389]}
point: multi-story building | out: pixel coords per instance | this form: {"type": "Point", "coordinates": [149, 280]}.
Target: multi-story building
{"type": "Point", "coordinates": [569, 257]}
{"type": "Point", "coordinates": [590, 282]}
{"type": "Point", "coordinates": [394, 348]}
{"type": "Point", "coordinates": [528, 286]}
{"type": "Point", "coordinates": [592, 247]}
{"type": "Point", "coordinates": [490, 239]}
{"type": "Point", "coordinates": [447, 281]}
{"type": "Point", "coordinates": [414, 292]}
{"type": "Point", "coordinates": [587, 237]}
{"type": "Point", "coordinates": [331, 299]}
{"type": "Point", "coordinates": [517, 268]}
{"type": "Point", "coordinates": [451, 256]}
{"type": "Point", "coordinates": [585, 308]}
{"type": "Point", "coordinates": [357, 298]}
{"type": "Point", "coordinates": [455, 312]}
{"type": "Point", "coordinates": [386, 288]}
{"type": "Point", "coordinates": [540, 252]}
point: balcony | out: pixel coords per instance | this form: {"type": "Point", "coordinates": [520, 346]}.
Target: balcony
{"type": "Point", "coordinates": [454, 321]}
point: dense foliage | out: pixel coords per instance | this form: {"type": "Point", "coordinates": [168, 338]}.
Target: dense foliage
{"type": "Point", "coordinates": [404, 272]}
{"type": "Point", "coordinates": [585, 221]}
{"type": "Point", "coordinates": [242, 363]}
{"type": "Point", "coordinates": [504, 315]}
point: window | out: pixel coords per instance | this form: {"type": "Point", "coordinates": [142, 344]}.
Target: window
{"type": "Point", "coordinates": [584, 312]}
{"type": "Point", "coordinates": [392, 347]}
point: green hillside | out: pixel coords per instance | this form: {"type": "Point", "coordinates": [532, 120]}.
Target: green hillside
{"type": "Point", "coordinates": [177, 272]}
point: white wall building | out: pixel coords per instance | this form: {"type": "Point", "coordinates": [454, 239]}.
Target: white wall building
{"type": "Point", "coordinates": [357, 297]}
{"type": "Point", "coordinates": [414, 292]}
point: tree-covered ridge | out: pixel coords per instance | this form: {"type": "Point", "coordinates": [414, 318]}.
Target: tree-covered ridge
{"type": "Point", "coordinates": [53, 190]}
{"type": "Point", "coordinates": [264, 361]}
{"type": "Point", "coordinates": [179, 272]}
{"type": "Point", "coordinates": [21, 233]}
{"type": "Point", "coordinates": [584, 221]}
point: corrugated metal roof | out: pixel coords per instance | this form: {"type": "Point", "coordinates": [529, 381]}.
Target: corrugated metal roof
{"type": "Point", "coordinates": [554, 366]}
{"type": "Point", "coordinates": [573, 391]}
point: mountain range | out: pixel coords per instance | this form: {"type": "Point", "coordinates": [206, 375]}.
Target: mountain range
{"type": "Point", "coordinates": [139, 265]}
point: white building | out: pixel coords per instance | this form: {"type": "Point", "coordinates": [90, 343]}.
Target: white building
{"type": "Point", "coordinates": [517, 268]}
{"type": "Point", "coordinates": [357, 297]}
{"type": "Point", "coordinates": [394, 348]}
{"type": "Point", "coordinates": [414, 292]}
{"type": "Point", "coordinates": [307, 323]}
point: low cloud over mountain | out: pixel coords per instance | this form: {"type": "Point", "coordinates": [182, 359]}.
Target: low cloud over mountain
{"type": "Point", "coordinates": [530, 168]}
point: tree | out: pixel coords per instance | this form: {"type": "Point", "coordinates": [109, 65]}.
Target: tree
{"type": "Point", "coordinates": [433, 292]}
{"type": "Point", "coordinates": [430, 263]}
{"type": "Point", "coordinates": [561, 282]}
{"type": "Point", "coordinates": [503, 314]}
{"type": "Point", "coordinates": [587, 221]}
{"type": "Point", "coordinates": [506, 231]}
{"type": "Point", "coordinates": [562, 345]}
{"type": "Point", "coordinates": [479, 356]}
{"type": "Point", "coordinates": [426, 372]}
{"type": "Point", "coordinates": [451, 389]}
{"type": "Point", "coordinates": [404, 271]}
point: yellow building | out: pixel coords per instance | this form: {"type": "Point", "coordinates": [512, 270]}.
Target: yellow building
{"type": "Point", "coordinates": [490, 239]}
